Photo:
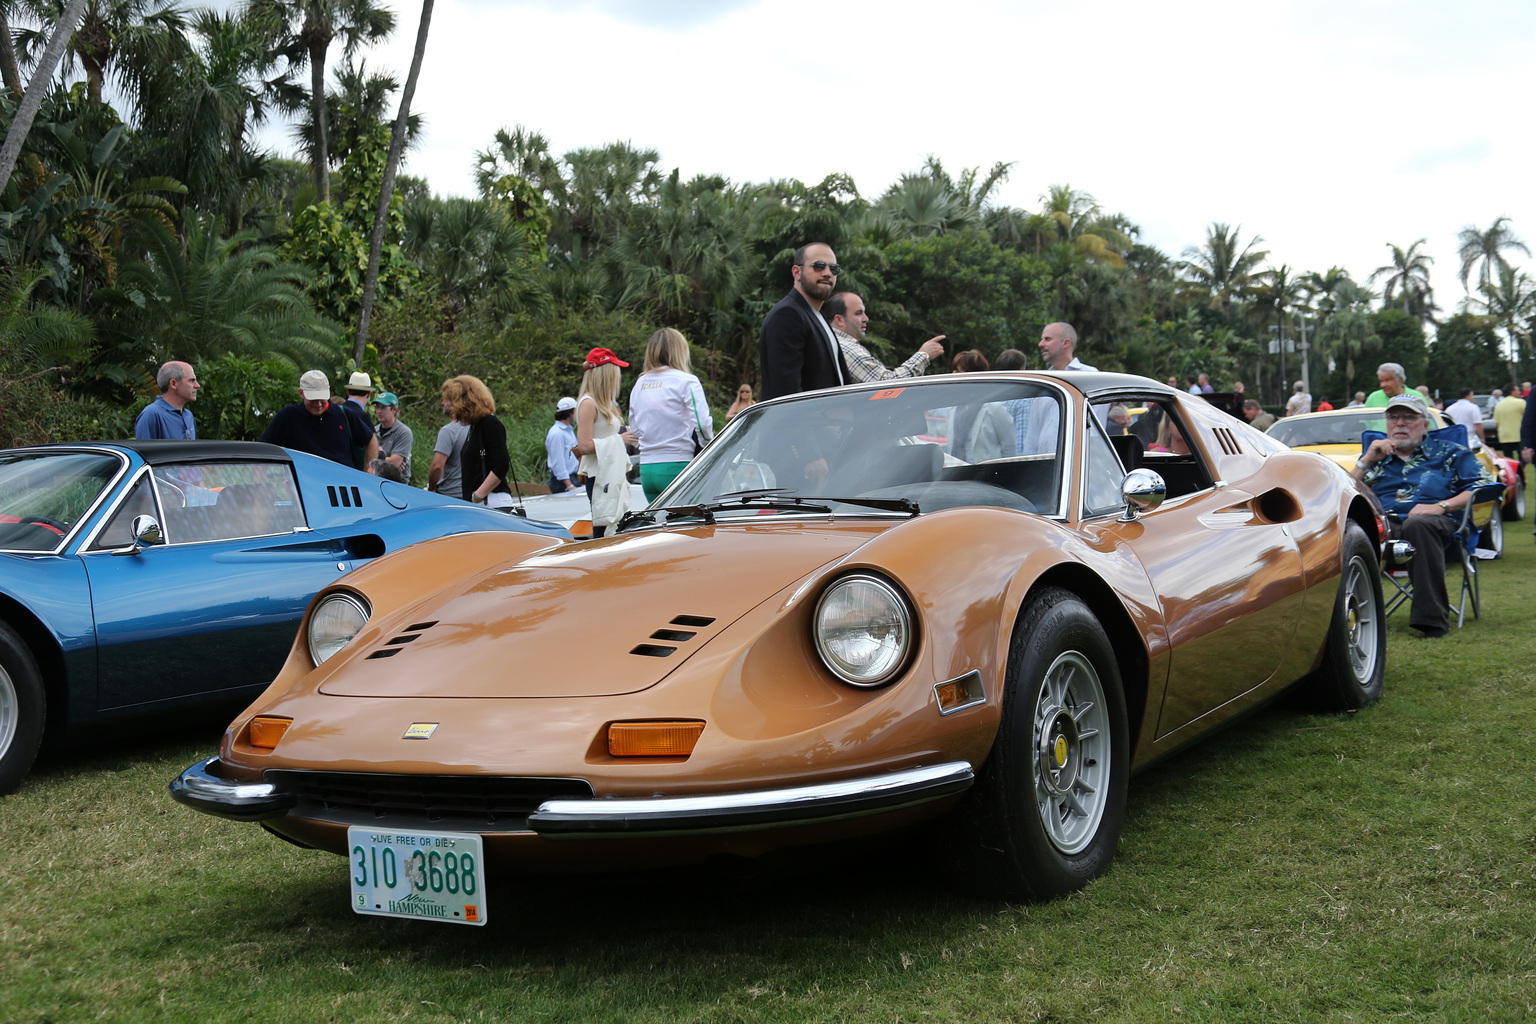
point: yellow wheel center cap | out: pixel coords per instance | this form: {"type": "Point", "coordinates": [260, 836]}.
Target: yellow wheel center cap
{"type": "Point", "coordinates": [1061, 751]}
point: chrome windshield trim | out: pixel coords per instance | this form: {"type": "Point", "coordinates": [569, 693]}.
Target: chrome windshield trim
{"type": "Point", "coordinates": [750, 811]}
{"type": "Point", "coordinates": [106, 491]}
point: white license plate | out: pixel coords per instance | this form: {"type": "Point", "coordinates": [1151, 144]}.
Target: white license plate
{"type": "Point", "coordinates": [433, 876]}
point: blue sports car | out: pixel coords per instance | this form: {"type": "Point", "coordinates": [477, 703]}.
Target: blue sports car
{"type": "Point", "coordinates": [142, 575]}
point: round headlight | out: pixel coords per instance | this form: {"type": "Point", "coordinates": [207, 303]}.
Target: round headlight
{"type": "Point", "coordinates": [335, 622]}
{"type": "Point", "coordinates": [863, 630]}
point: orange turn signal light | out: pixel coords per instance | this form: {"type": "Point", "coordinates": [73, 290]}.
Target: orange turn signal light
{"type": "Point", "coordinates": [653, 739]}
{"type": "Point", "coordinates": [266, 730]}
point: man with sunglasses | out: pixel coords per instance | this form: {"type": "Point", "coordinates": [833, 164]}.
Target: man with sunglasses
{"type": "Point", "coordinates": [1423, 482]}
{"type": "Point", "coordinates": [796, 349]}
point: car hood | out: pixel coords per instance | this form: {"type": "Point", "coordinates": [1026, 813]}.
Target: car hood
{"type": "Point", "coordinates": [607, 617]}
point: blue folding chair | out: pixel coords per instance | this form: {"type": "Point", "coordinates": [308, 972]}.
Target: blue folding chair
{"type": "Point", "coordinates": [1460, 547]}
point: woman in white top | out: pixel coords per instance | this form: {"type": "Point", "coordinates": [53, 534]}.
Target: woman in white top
{"type": "Point", "coordinates": [668, 412]}
{"type": "Point", "coordinates": [600, 439]}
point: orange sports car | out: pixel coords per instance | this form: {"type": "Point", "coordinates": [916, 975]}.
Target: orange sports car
{"type": "Point", "coordinates": [855, 611]}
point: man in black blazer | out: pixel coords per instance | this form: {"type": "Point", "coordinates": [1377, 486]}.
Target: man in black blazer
{"type": "Point", "coordinates": [796, 350]}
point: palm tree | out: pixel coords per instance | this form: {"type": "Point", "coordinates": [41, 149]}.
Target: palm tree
{"type": "Point", "coordinates": [1511, 303]}
{"type": "Point", "coordinates": [1348, 332]}
{"type": "Point", "coordinates": [1220, 268]}
{"type": "Point", "coordinates": [32, 99]}
{"type": "Point", "coordinates": [9, 73]}
{"type": "Point", "coordinates": [302, 31]}
{"type": "Point", "coordinates": [1408, 272]}
{"type": "Point", "coordinates": [387, 189]}
{"type": "Point", "coordinates": [124, 40]}
{"type": "Point", "coordinates": [358, 101]}
{"type": "Point", "coordinates": [1487, 248]}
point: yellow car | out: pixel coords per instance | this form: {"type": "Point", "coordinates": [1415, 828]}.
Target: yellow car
{"type": "Point", "coordinates": [1336, 434]}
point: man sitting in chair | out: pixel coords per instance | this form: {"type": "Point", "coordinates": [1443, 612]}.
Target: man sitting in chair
{"type": "Point", "coordinates": [1423, 483]}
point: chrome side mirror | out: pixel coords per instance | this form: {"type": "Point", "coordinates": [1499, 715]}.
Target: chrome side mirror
{"type": "Point", "coordinates": [146, 530]}
{"type": "Point", "coordinates": [1143, 491]}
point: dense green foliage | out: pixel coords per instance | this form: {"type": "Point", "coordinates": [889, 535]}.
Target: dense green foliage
{"type": "Point", "coordinates": [159, 229]}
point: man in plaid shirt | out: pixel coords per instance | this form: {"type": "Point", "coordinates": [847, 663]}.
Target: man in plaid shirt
{"type": "Point", "coordinates": [845, 312]}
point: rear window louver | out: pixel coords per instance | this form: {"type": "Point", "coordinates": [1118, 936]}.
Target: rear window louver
{"type": "Point", "coordinates": [1228, 441]}
{"type": "Point", "coordinates": [345, 497]}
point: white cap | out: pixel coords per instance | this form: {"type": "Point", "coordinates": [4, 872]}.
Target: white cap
{"type": "Point", "coordinates": [564, 404]}
{"type": "Point", "coordinates": [314, 384]}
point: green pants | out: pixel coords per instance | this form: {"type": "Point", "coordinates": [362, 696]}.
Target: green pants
{"type": "Point", "coordinates": [654, 477]}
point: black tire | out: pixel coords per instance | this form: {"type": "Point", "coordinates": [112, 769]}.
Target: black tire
{"type": "Point", "coordinates": [1355, 658]}
{"type": "Point", "coordinates": [22, 710]}
{"type": "Point", "coordinates": [1515, 510]}
{"type": "Point", "coordinates": [1050, 803]}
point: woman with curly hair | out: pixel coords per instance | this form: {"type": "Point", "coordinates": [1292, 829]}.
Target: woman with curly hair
{"type": "Point", "coordinates": [485, 461]}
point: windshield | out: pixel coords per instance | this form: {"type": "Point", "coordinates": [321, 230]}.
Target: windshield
{"type": "Point", "coordinates": [940, 445]}
{"type": "Point", "coordinates": [1304, 431]}
{"type": "Point", "coordinates": [43, 495]}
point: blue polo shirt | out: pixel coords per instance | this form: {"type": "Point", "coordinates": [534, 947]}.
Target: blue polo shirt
{"type": "Point", "coordinates": [1437, 471]}
{"type": "Point", "coordinates": [162, 421]}
{"type": "Point", "coordinates": [331, 435]}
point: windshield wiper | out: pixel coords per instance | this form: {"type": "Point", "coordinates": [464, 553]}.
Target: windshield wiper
{"type": "Point", "coordinates": [774, 498]}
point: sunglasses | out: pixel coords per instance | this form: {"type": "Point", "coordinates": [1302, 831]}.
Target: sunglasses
{"type": "Point", "coordinates": [820, 265]}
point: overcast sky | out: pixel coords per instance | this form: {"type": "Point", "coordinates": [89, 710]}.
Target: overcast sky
{"type": "Point", "coordinates": [1329, 128]}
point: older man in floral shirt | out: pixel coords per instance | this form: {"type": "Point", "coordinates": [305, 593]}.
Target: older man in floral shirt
{"type": "Point", "coordinates": [1424, 482]}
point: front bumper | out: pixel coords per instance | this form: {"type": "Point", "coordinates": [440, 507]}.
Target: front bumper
{"type": "Point", "coordinates": [201, 788]}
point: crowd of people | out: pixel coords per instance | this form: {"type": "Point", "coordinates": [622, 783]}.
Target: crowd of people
{"type": "Point", "coordinates": [812, 338]}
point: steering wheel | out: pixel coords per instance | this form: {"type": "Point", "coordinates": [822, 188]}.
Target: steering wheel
{"type": "Point", "coordinates": [44, 521]}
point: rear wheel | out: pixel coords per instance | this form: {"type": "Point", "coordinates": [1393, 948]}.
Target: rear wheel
{"type": "Point", "coordinates": [1354, 661]}
{"type": "Point", "coordinates": [1492, 537]}
{"type": "Point", "coordinates": [21, 709]}
{"type": "Point", "coordinates": [1514, 511]}
{"type": "Point", "coordinates": [1050, 803]}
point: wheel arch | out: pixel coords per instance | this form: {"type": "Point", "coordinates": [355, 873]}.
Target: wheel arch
{"type": "Point", "coordinates": [1124, 636]}
{"type": "Point", "coordinates": [46, 652]}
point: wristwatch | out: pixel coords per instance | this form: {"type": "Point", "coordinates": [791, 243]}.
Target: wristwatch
{"type": "Point", "coordinates": [1360, 463]}
{"type": "Point", "coordinates": [1445, 506]}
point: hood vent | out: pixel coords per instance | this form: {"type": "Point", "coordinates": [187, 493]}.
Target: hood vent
{"type": "Point", "coordinates": [676, 636]}
{"type": "Point", "coordinates": [393, 645]}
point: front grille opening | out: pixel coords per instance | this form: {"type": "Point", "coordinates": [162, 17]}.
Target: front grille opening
{"type": "Point", "coordinates": [692, 620]}
{"type": "Point", "coordinates": [468, 802]}
{"type": "Point", "coordinates": [653, 650]}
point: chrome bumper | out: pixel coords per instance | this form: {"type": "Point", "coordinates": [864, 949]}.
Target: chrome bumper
{"type": "Point", "coordinates": [741, 812]}
{"type": "Point", "coordinates": [201, 788]}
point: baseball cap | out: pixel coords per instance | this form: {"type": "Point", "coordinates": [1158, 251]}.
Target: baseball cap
{"type": "Point", "coordinates": [359, 381]}
{"type": "Point", "coordinates": [315, 384]}
{"type": "Point", "coordinates": [387, 398]}
{"type": "Point", "coordinates": [598, 356]}
{"type": "Point", "coordinates": [1410, 400]}
{"type": "Point", "coordinates": [564, 404]}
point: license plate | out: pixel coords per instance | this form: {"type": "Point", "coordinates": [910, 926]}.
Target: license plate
{"type": "Point", "coordinates": [433, 876]}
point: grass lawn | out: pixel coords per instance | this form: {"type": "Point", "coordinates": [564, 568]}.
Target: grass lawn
{"type": "Point", "coordinates": [1379, 866]}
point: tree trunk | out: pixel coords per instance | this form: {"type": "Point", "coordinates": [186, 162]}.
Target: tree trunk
{"type": "Point", "coordinates": [387, 192]}
{"type": "Point", "coordinates": [8, 70]}
{"type": "Point", "coordinates": [321, 153]}
{"type": "Point", "coordinates": [42, 77]}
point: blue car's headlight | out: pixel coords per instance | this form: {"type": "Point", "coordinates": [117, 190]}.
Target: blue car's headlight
{"type": "Point", "coordinates": [336, 620]}
{"type": "Point", "coordinates": [863, 629]}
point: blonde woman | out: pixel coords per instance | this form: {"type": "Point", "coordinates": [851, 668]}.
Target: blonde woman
{"type": "Point", "coordinates": [484, 460]}
{"type": "Point", "coordinates": [668, 412]}
{"type": "Point", "coordinates": [600, 439]}
{"type": "Point", "coordinates": [743, 399]}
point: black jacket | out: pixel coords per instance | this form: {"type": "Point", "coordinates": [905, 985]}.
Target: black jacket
{"type": "Point", "coordinates": [796, 353]}
{"type": "Point", "coordinates": [485, 451]}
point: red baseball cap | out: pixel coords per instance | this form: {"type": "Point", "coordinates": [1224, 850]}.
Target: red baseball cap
{"type": "Point", "coordinates": [598, 356]}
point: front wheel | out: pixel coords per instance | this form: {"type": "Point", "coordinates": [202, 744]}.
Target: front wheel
{"type": "Point", "coordinates": [21, 709]}
{"type": "Point", "coordinates": [1355, 658]}
{"type": "Point", "coordinates": [1515, 510]}
{"type": "Point", "coordinates": [1491, 538]}
{"type": "Point", "coordinates": [1050, 803]}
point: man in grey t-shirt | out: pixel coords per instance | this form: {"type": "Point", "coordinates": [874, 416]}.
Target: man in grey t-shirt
{"type": "Point", "coordinates": [446, 475]}
{"type": "Point", "coordinates": [395, 438]}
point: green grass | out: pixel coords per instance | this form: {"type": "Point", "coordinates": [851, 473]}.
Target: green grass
{"type": "Point", "coordinates": [1379, 866]}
